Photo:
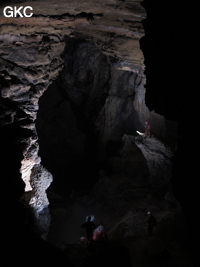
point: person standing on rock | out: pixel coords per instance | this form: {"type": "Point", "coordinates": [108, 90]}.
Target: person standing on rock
{"type": "Point", "coordinates": [151, 223]}
{"type": "Point", "coordinates": [89, 226]}
{"type": "Point", "coordinates": [147, 129]}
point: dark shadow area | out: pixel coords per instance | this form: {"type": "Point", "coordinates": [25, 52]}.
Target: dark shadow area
{"type": "Point", "coordinates": [170, 48]}
{"type": "Point", "coordinates": [65, 123]}
{"type": "Point", "coordinates": [117, 256]}
{"type": "Point", "coordinates": [19, 242]}
{"type": "Point", "coordinates": [67, 139]}
{"type": "Point", "coordinates": [171, 51]}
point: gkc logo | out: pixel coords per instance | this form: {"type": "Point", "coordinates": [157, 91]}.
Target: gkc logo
{"type": "Point", "coordinates": [13, 12]}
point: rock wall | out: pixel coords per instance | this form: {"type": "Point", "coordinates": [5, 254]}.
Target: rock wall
{"type": "Point", "coordinates": [97, 47]}
{"type": "Point", "coordinates": [25, 75]}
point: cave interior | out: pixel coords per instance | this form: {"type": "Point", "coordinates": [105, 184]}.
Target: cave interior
{"type": "Point", "coordinates": [69, 145]}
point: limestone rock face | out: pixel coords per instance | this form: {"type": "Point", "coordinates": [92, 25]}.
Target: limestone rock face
{"type": "Point", "coordinates": [91, 51]}
{"type": "Point", "coordinates": [31, 158]}
{"type": "Point", "coordinates": [114, 25]}
{"type": "Point", "coordinates": [158, 157]}
{"type": "Point", "coordinates": [40, 181]}
{"type": "Point", "coordinates": [27, 68]}
{"type": "Point", "coordinates": [141, 169]}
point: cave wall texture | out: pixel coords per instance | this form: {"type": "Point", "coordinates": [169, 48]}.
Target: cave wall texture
{"type": "Point", "coordinates": [73, 95]}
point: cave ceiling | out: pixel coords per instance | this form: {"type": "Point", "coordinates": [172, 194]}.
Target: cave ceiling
{"type": "Point", "coordinates": [114, 26]}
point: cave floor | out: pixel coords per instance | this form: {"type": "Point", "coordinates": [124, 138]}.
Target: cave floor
{"type": "Point", "coordinates": [164, 248]}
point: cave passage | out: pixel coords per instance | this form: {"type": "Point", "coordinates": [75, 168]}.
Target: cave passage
{"type": "Point", "coordinates": [83, 115]}
{"type": "Point", "coordinates": [67, 135]}
{"type": "Point", "coordinates": [68, 150]}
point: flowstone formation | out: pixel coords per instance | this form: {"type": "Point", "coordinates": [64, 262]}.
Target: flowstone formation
{"type": "Point", "coordinates": [72, 82]}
